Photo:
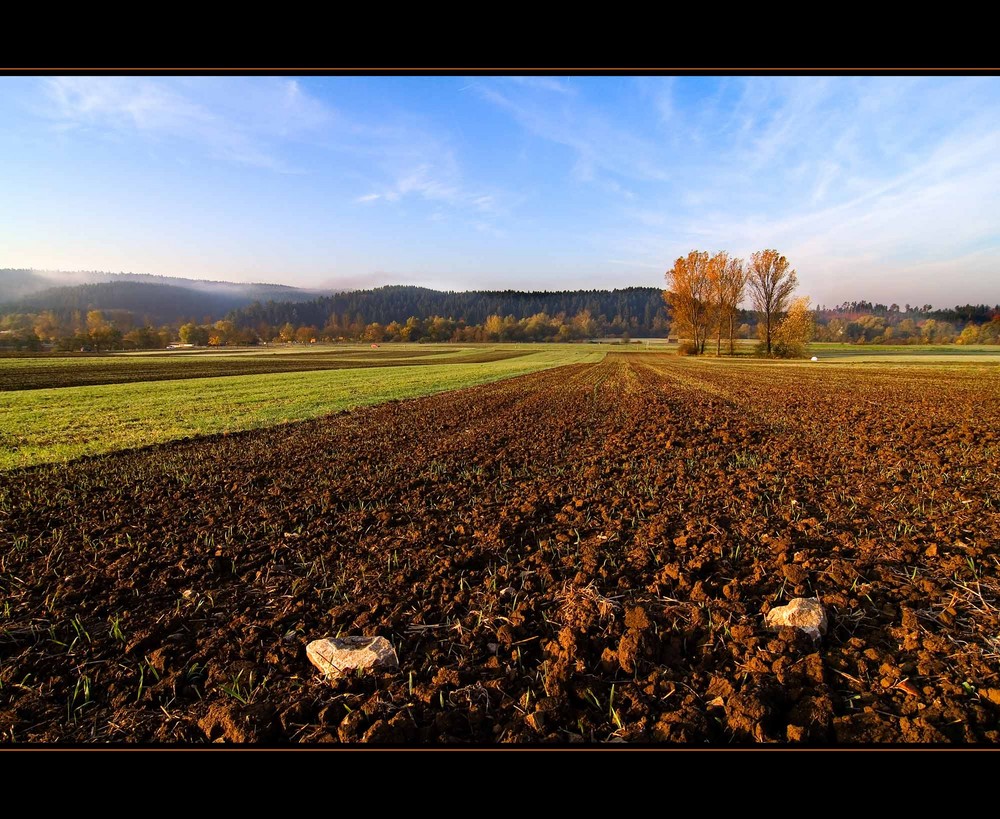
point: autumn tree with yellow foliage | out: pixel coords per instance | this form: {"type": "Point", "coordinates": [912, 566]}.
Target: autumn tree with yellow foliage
{"type": "Point", "coordinates": [705, 291]}
{"type": "Point", "coordinates": [689, 294]}
{"type": "Point", "coordinates": [771, 284]}
{"type": "Point", "coordinates": [796, 330]}
{"type": "Point", "coordinates": [727, 276]}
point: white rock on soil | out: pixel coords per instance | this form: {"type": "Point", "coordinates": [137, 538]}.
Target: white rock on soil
{"type": "Point", "coordinates": [804, 613]}
{"type": "Point", "coordinates": [337, 656]}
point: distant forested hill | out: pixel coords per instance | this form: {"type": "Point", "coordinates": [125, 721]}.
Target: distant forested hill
{"type": "Point", "coordinates": [16, 283]}
{"type": "Point", "coordinates": [636, 308]}
{"type": "Point", "coordinates": [152, 299]}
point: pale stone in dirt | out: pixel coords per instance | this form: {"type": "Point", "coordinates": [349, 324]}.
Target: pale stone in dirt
{"type": "Point", "coordinates": [804, 613]}
{"type": "Point", "coordinates": [337, 656]}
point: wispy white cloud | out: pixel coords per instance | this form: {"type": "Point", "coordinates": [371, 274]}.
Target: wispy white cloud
{"type": "Point", "coordinates": [599, 145]}
{"type": "Point", "coordinates": [864, 182]}
{"type": "Point", "coordinates": [431, 182]}
{"type": "Point", "coordinates": [435, 177]}
{"type": "Point", "coordinates": [240, 120]}
{"type": "Point", "coordinates": [870, 185]}
{"type": "Point", "coordinates": [615, 187]}
{"type": "Point", "coordinates": [263, 122]}
{"type": "Point", "coordinates": [543, 83]}
{"type": "Point", "coordinates": [660, 91]}
{"type": "Point", "coordinates": [907, 229]}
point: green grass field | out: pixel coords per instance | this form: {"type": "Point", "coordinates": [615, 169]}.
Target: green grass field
{"type": "Point", "coordinates": [32, 373]}
{"type": "Point", "coordinates": [226, 391]}
{"type": "Point", "coordinates": [48, 425]}
{"type": "Point", "coordinates": [899, 353]}
{"type": "Point", "coordinates": [860, 353]}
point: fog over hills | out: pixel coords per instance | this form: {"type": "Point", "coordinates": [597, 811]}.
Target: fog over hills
{"type": "Point", "coordinates": [158, 298]}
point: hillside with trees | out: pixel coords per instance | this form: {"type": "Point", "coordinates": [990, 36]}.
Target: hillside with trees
{"type": "Point", "coordinates": [134, 312]}
{"type": "Point", "coordinates": [154, 298]}
{"type": "Point", "coordinates": [147, 303]}
{"type": "Point", "coordinates": [635, 310]}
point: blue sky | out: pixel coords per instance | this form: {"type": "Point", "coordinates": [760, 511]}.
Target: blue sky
{"type": "Point", "coordinates": [886, 188]}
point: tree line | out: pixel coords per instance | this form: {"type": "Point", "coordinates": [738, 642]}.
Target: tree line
{"type": "Point", "coordinates": [913, 326]}
{"type": "Point", "coordinates": [708, 293]}
{"type": "Point", "coordinates": [892, 313]}
{"type": "Point", "coordinates": [99, 331]}
{"type": "Point", "coordinates": [539, 327]}
{"type": "Point", "coordinates": [636, 310]}
{"type": "Point", "coordinates": [705, 291]}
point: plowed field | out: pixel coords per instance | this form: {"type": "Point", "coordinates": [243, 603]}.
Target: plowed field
{"type": "Point", "coordinates": [49, 373]}
{"type": "Point", "coordinates": [582, 554]}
